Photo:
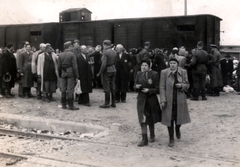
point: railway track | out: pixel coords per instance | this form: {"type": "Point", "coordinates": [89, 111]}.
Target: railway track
{"type": "Point", "coordinates": [28, 138]}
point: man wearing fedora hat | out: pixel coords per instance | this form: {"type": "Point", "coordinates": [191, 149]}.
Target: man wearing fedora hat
{"type": "Point", "coordinates": [226, 69]}
{"type": "Point", "coordinates": [9, 68]}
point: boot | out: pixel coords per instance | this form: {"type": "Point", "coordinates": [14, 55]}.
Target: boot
{"type": "Point", "coordinates": [113, 99]}
{"type": "Point", "coordinates": [71, 106]}
{"type": "Point", "coordinates": [45, 98]}
{"type": "Point", "coordinates": [152, 134]}
{"type": "Point", "coordinates": [107, 100]}
{"type": "Point", "coordinates": [171, 136]}
{"type": "Point", "coordinates": [63, 100]}
{"type": "Point", "coordinates": [50, 97]}
{"type": "Point", "coordinates": [144, 141]}
{"type": "Point", "coordinates": [178, 132]}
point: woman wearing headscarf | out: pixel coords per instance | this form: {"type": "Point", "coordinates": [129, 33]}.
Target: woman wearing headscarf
{"type": "Point", "coordinates": [149, 112]}
{"type": "Point", "coordinates": [173, 101]}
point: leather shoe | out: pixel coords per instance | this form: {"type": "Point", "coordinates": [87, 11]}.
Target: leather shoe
{"type": "Point", "coordinates": [88, 104]}
{"type": "Point", "coordinates": [194, 98]}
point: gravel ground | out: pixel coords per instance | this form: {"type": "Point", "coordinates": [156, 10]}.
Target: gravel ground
{"type": "Point", "coordinates": [211, 139]}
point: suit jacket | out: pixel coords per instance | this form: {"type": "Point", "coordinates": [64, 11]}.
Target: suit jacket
{"type": "Point", "coordinates": [85, 73]}
{"type": "Point", "coordinates": [122, 65]}
{"type": "Point", "coordinates": [226, 67]}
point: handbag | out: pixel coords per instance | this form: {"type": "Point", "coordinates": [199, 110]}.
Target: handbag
{"type": "Point", "coordinates": [77, 89]}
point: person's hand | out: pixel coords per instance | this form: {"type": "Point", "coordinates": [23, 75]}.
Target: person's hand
{"type": "Point", "coordinates": [163, 104]}
{"type": "Point", "coordinates": [138, 86]}
{"type": "Point", "coordinates": [145, 90]}
{"type": "Point", "coordinates": [7, 73]}
{"type": "Point", "coordinates": [178, 85]}
{"type": "Point", "coordinates": [98, 75]}
{"type": "Point", "coordinates": [131, 71]}
{"type": "Point", "coordinates": [22, 74]}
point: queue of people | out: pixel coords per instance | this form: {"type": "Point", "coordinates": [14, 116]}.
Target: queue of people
{"type": "Point", "coordinates": [149, 72]}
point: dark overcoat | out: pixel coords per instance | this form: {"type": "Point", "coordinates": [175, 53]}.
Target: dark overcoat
{"type": "Point", "coordinates": [215, 76]}
{"type": "Point", "coordinates": [85, 73]}
{"type": "Point", "coordinates": [9, 65]}
{"type": "Point", "coordinates": [24, 62]}
{"type": "Point", "coordinates": [166, 95]}
{"type": "Point", "coordinates": [148, 99]}
{"type": "Point", "coordinates": [123, 71]}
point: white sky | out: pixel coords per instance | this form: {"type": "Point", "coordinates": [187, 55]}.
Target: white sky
{"type": "Point", "coordinates": [35, 11]}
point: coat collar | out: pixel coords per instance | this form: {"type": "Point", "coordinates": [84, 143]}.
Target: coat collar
{"type": "Point", "coordinates": [169, 72]}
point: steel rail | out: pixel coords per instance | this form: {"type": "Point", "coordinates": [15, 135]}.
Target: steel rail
{"type": "Point", "coordinates": [170, 152]}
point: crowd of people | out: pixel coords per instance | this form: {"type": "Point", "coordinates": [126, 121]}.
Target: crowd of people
{"type": "Point", "coordinates": [175, 76]}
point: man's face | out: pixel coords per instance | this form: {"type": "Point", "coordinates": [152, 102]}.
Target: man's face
{"type": "Point", "coordinates": [28, 48]}
{"type": "Point", "coordinates": [118, 49]}
{"type": "Point", "coordinates": [75, 44]}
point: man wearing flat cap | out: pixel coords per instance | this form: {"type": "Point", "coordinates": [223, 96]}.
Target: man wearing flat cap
{"type": "Point", "coordinates": [68, 72]}
{"type": "Point", "coordinates": [108, 73]}
{"type": "Point", "coordinates": [215, 72]}
{"type": "Point", "coordinates": [226, 69]}
{"type": "Point", "coordinates": [144, 54]}
{"type": "Point", "coordinates": [199, 71]}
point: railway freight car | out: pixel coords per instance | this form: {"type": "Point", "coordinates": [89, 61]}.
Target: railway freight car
{"type": "Point", "coordinates": [166, 32]}
{"type": "Point", "coordinates": [34, 33]}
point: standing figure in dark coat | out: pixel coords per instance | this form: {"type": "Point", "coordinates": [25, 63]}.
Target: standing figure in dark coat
{"type": "Point", "coordinates": [122, 64]}
{"type": "Point", "coordinates": [215, 75]}
{"type": "Point", "coordinates": [173, 100]}
{"type": "Point", "coordinates": [149, 112]}
{"type": "Point", "coordinates": [199, 71]}
{"type": "Point", "coordinates": [144, 53]}
{"type": "Point", "coordinates": [227, 70]}
{"type": "Point", "coordinates": [85, 76]}
{"type": "Point", "coordinates": [68, 72]}
{"type": "Point", "coordinates": [9, 67]}
{"type": "Point", "coordinates": [238, 77]}
{"type": "Point", "coordinates": [25, 69]}
{"type": "Point", "coordinates": [158, 62]}
{"type": "Point", "coordinates": [108, 73]}
{"type": "Point", "coordinates": [20, 54]}
{"type": "Point", "coordinates": [97, 64]}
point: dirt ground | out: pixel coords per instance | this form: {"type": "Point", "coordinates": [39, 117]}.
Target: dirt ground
{"type": "Point", "coordinates": [211, 139]}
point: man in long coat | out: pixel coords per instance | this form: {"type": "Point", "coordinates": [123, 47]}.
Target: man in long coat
{"type": "Point", "coordinates": [226, 70]}
{"type": "Point", "coordinates": [85, 76]}
{"type": "Point", "coordinates": [35, 56]}
{"type": "Point", "coordinates": [215, 75]}
{"type": "Point", "coordinates": [19, 54]}
{"type": "Point", "coordinates": [47, 71]}
{"type": "Point", "coordinates": [122, 64]}
{"type": "Point", "coordinates": [9, 67]}
{"type": "Point", "coordinates": [24, 60]}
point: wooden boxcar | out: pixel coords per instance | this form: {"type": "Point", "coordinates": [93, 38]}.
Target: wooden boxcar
{"type": "Point", "coordinates": [34, 33]}
{"type": "Point", "coordinates": [163, 32]}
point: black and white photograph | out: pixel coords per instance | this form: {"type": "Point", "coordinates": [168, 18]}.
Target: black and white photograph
{"type": "Point", "coordinates": [110, 83]}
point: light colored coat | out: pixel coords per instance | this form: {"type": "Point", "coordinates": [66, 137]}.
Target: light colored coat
{"type": "Point", "coordinates": [40, 66]}
{"type": "Point", "coordinates": [166, 95]}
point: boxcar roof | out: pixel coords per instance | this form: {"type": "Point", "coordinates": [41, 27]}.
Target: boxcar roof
{"type": "Point", "coordinates": [75, 10]}
{"type": "Point", "coordinates": [147, 18]}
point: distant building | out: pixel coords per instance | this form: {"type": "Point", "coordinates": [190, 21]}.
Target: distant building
{"type": "Point", "coordinates": [233, 50]}
{"type": "Point", "coordinates": [75, 14]}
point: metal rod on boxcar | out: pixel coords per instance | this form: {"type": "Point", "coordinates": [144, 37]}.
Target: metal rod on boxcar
{"type": "Point", "coordinates": [185, 7]}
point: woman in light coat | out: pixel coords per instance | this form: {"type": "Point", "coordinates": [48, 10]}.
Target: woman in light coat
{"type": "Point", "coordinates": [173, 101]}
{"type": "Point", "coordinates": [149, 112]}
